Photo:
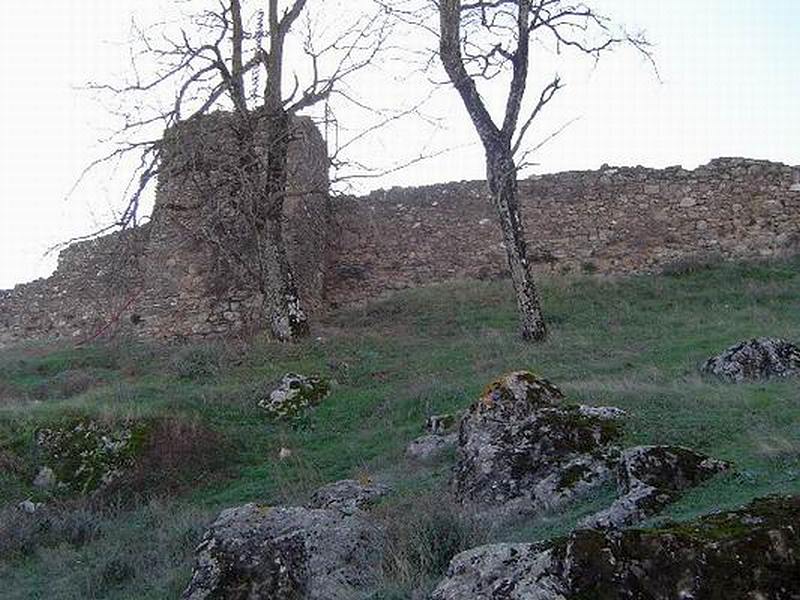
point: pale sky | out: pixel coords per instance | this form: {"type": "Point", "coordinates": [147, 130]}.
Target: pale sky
{"type": "Point", "coordinates": [730, 86]}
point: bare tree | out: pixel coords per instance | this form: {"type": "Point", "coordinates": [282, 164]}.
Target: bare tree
{"type": "Point", "coordinates": [205, 63]}
{"type": "Point", "coordinates": [489, 42]}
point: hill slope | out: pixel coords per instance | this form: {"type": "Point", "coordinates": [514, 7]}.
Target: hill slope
{"type": "Point", "coordinates": [632, 342]}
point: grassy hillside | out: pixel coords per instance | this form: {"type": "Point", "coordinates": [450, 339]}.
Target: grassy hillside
{"type": "Point", "coordinates": [629, 342]}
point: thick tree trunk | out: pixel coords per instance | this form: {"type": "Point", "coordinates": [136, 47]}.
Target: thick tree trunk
{"type": "Point", "coordinates": [287, 319]}
{"type": "Point", "coordinates": [502, 180]}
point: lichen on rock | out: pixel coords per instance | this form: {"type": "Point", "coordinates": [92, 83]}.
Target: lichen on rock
{"type": "Point", "coordinates": [86, 454]}
{"type": "Point", "coordinates": [295, 395]}
{"type": "Point", "coordinates": [348, 495]}
{"type": "Point", "coordinates": [745, 554]}
{"type": "Point", "coordinates": [755, 360]}
{"type": "Point", "coordinates": [286, 553]}
{"type": "Point", "coordinates": [522, 450]}
{"type": "Point", "coordinates": [649, 478]}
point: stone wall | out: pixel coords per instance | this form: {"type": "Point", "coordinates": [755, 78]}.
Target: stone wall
{"type": "Point", "coordinates": [95, 282]}
{"type": "Point", "coordinates": [167, 279]}
{"type": "Point", "coordinates": [193, 286]}
{"type": "Point", "coordinates": [166, 282]}
{"type": "Point", "coordinates": [615, 220]}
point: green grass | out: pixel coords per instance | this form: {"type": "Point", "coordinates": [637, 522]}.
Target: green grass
{"type": "Point", "coordinates": [629, 342]}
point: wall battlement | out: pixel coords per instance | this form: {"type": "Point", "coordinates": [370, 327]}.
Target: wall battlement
{"type": "Point", "coordinates": [613, 220]}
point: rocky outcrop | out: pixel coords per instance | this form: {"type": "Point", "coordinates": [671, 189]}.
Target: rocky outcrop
{"type": "Point", "coordinates": [348, 495]}
{"type": "Point", "coordinates": [755, 360]}
{"type": "Point", "coordinates": [749, 554]}
{"type": "Point", "coordinates": [649, 478]}
{"type": "Point", "coordinates": [294, 395]}
{"type": "Point", "coordinates": [279, 553]}
{"type": "Point", "coordinates": [521, 450]}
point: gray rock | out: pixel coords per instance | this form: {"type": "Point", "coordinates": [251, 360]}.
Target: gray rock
{"type": "Point", "coordinates": [502, 571]}
{"type": "Point", "coordinates": [611, 413]}
{"type": "Point", "coordinates": [45, 478]}
{"type": "Point", "coordinates": [670, 468]}
{"type": "Point", "coordinates": [29, 506]}
{"type": "Point", "coordinates": [651, 477]}
{"type": "Point", "coordinates": [430, 447]}
{"type": "Point", "coordinates": [629, 509]}
{"type": "Point", "coordinates": [521, 451]}
{"type": "Point", "coordinates": [752, 553]}
{"type": "Point", "coordinates": [755, 360]}
{"type": "Point", "coordinates": [348, 495]}
{"type": "Point", "coordinates": [295, 395]}
{"type": "Point", "coordinates": [573, 479]}
{"type": "Point", "coordinates": [285, 554]}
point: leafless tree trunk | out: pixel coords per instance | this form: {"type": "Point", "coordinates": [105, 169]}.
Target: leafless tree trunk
{"type": "Point", "coordinates": [477, 41]}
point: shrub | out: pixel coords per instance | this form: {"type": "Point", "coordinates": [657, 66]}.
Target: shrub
{"type": "Point", "coordinates": [198, 361]}
{"type": "Point", "coordinates": [9, 393]}
{"type": "Point", "coordinates": [74, 523]}
{"type": "Point", "coordinates": [690, 264]}
{"type": "Point", "coordinates": [424, 534]}
{"type": "Point", "coordinates": [174, 454]}
{"type": "Point", "coordinates": [67, 384]}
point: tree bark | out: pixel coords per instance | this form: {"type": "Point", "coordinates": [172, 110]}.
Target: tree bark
{"type": "Point", "coordinates": [501, 175]}
{"type": "Point", "coordinates": [288, 320]}
{"type": "Point", "coordinates": [501, 172]}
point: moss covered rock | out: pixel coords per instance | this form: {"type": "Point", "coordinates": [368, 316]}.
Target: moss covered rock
{"type": "Point", "coordinates": [651, 477]}
{"type": "Point", "coordinates": [287, 553]}
{"type": "Point", "coordinates": [294, 395]}
{"type": "Point", "coordinates": [86, 454]}
{"type": "Point", "coordinates": [521, 449]}
{"type": "Point", "coordinates": [748, 554]}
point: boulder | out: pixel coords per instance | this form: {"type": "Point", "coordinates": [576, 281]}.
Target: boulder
{"type": "Point", "coordinates": [85, 455]}
{"type": "Point", "coordinates": [649, 478]}
{"type": "Point", "coordinates": [755, 360]}
{"type": "Point", "coordinates": [428, 448]}
{"type": "Point", "coordinates": [348, 495]}
{"type": "Point", "coordinates": [670, 468]}
{"type": "Point", "coordinates": [748, 554]}
{"type": "Point", "coordinates": [502, 572]}
{"type": "Point", "coordinates": [294, 395]}
{"type": "Point", "coordinates": [441, 437]}
{"type": "Point", "coordinates": [286, 553]}
{"type": "Point", "coordinates": [29, 506]}
{"type": "Point", "coordinates": [521, 450]}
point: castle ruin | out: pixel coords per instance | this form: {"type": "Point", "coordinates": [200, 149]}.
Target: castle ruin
{"type": "Point", "coordinates": [164, 280]}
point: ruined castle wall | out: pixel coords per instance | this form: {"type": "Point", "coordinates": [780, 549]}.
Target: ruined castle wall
{"type": "Point", "coordinates": [167, 279]}
{"type": "Point", "coordinates": [93, 285]}
{"type": "Point", "coordinates": [193, 285]}
{"type": "Point", "coordinates": [169, 283]}
{"type": "Point", "coordinates": [615, 220]}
